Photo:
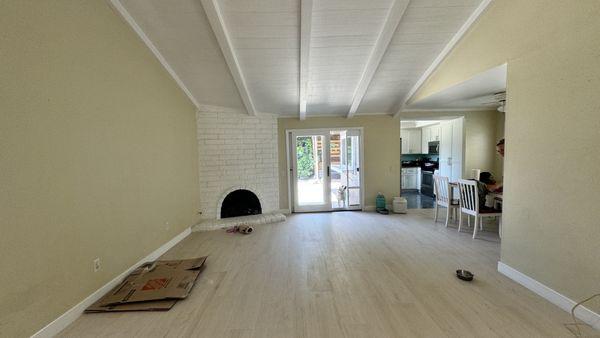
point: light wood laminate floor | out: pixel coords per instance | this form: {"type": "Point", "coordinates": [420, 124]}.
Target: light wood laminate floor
{"type": "Point", "coordinates": [349, 274]}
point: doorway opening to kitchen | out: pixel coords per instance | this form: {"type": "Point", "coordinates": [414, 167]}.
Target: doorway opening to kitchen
{"type": "Point", "coordinates": [429, 147]}
{"type": "Point", "coordinates": [325, 169]}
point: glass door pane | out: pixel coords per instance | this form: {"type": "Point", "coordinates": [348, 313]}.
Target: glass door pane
{"type": "Point", "coordinates": [339, 177]}
{"type": "Point", "coordinates": [353, 169]}
{"type": "Point", "coordinates": [345, 169]}
{"type": "Point", "coordinates": [310, 172]}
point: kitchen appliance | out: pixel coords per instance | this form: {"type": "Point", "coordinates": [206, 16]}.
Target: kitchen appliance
{"type": "Point", "coordinates": [427, 182]}
{"type": "Point", "coordinates": [434, 147]}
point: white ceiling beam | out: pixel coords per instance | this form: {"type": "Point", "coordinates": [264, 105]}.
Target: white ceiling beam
{"type": "Point", "coordinates": [118, 6]}
{"type": "Point", "coordinates": [447, 49]}
{"type": "Point", "coordinates": [217, 23]}
{"type": "Point", "coordinates": [381, 45]}
{"type": "Point", "coordinates": [305, 29]}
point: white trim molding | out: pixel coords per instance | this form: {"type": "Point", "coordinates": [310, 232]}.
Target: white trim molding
{"type": "Point", "coordinates": [118, 6]}
{"type": "Point", "coordinates": [60, 323]}
{"type": "Point", "coordinates": [453, 110]}
{"type": "Point", "coordinates": [582, 313]}
{"type": "Point", "coordinates": [447, 49]}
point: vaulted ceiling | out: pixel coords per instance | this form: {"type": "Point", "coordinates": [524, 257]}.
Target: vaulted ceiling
{"type": "Point", "coordinates": [300, 57]}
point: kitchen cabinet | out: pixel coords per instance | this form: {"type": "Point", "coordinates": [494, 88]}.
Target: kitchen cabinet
{"type": "Point", "coordinates": [415, 141]}
{"type": "Point", "coordinates": [411, 178]}
{"type": "Point", "coordinates": [411, 141]}
{"type": "Point", "coordinates": [405, 143]}
{"type": "Point", "coordinates": [451, 149]}
{"type": "Point", "coordinates": [425, 138]}
{"type": "Point", "coordinates": [429, 134]}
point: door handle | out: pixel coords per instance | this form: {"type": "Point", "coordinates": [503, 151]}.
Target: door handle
{"type": "Point", "coordinates": [327, 171]}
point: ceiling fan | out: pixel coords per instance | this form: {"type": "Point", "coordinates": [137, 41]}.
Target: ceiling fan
{"type": "Point", "coordinates": [496, 99]}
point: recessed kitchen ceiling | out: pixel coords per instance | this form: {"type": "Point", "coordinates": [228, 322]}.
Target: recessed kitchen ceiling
{"type": "Point", "coordinates": [302, 58]}
{"type": "Point", "coordinates": [483, 91]}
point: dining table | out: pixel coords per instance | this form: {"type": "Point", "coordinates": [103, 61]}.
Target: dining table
{"type": "Point", "coordinates": [497, 199]}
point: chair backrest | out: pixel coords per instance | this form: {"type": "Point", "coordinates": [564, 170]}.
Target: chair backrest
{"type": "Point", "coordinates": [469, 197]}
{"type": "Point", "coordinates": [442, 190]}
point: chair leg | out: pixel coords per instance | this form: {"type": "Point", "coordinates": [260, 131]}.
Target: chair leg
{"type": "Point", "coordinates": [436, 213]}
{"type": "Point", "coordinates": [459, 219]}
{"type": "Point", "coordinates": [469, 220]}
{"type": "Point", "coordinates": [447, 215]}
{"type": "Point", "coordinates": [475, 227]}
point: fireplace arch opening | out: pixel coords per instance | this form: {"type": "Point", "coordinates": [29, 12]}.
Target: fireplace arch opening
{"type": "Point", "coordinates": [240, 202]}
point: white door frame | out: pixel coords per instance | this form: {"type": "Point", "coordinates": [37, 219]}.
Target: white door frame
{"type": "Point", "coordinates": [289, 162]}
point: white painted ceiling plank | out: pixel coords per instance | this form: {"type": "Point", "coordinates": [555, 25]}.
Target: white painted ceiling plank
{"type": "Point", "coordinates": [387, 32]}
{"type": "Point", "coordinates": [118, 6]}
{"type": "Point", "coordinates": [305, 30]}
{"type": "Point", "coordinates": [212, 10]}
{"type": "Point", "coordinates": [438, 60]}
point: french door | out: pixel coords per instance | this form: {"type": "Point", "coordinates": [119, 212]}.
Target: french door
{"type": "Point", "coordinates": [326, 169]}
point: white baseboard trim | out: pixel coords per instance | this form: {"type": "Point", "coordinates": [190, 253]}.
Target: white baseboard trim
{"type": "Point", "coordinates": [60, 323]}
{"type": "Point", "coordinates": [582, 313]}
{"type": "Point", "coordinates": [285, 211]}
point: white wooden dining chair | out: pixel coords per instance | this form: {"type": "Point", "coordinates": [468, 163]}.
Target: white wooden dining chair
{"type": "Point", "coordinates": [469, 204]}
{"type": "Point", "coordinates": [443, 197]}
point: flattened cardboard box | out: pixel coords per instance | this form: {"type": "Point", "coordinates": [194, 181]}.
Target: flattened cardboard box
{"type": "Point", "coordinates": [152, 287]}
{"type": "Point", "coordinates": [157, 305]}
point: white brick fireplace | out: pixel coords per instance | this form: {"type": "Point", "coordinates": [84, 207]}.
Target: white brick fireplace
{"type": "Point", "coordinates": [237, 151]}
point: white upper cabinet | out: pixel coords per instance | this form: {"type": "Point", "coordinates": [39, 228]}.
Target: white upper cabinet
{"type": "Point", "coordinates": [430, 134]}
{"type": "Point", "coordinates": [411, 141]}
{"type": "Point", "coordinates": [405, 143]}
{"type": "Point", "coordinates": [415, 141]}
{"type": "Point", "coordinates": [426, 137]}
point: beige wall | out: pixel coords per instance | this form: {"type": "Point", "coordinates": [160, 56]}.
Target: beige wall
{"type": "Point", "coordinates": [481, 135]}
{"type": "Point", "coordinates": [98, 151]}
{"type": "Point", "coordinates": [382, 152]}
{"type": "Point", "coordinates": [551, 230]}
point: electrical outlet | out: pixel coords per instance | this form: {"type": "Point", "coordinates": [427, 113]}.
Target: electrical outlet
{"type": "Point", "coordinates": [167, 225]}
{"type": "Point", "coordinates": [96, 264]}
